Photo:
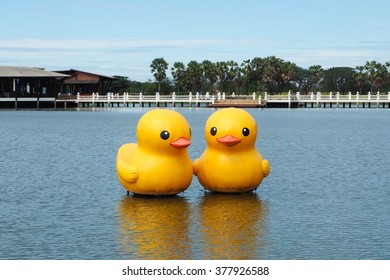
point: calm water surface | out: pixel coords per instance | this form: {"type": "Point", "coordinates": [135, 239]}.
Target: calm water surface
{"type": "Point", "coordinates": [327, 196]}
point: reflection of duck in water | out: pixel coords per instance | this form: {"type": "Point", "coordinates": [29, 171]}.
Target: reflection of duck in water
{"type": "Point", "coordinates": [159, 164]}
{"type": "Point", "coordinates": [230, 162]}
{"type": "Point", "coordinates": [232, 226]}
{"type": "Point", "coordinates": [154, 228]}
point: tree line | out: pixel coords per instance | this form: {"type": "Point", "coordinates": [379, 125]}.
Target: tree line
{"type": "Point", "coordinates": [269, 74]}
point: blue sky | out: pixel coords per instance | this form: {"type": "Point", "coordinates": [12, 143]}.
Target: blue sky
{"type": "Point", "coordinates": [122, 37]}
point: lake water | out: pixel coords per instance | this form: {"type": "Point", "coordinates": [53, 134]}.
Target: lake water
{"type": "Point", "coordinates": [327, 197]}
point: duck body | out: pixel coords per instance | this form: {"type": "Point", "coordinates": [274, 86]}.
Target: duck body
{"type": "Point", "coordinates": [159, 163]}
{"type": "Point", "coordinates": [231, 162]}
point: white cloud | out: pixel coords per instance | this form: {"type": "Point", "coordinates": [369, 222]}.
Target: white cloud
{"type": "Point", "coordinates": [80, 44]}
{"type": "Point", "coordinates": [132, 57]}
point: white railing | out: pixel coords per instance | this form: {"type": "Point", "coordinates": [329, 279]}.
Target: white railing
{"type": "Point", "coordinates": [126, 97]}
{"type": "Point", "coordinates": [329, 97]}
{"type": "Point", "coordinates": [313, 98]}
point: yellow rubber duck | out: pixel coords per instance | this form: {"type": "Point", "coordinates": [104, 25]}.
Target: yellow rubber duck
{"type": "Point", "coordinates": [159, 164]}
{"type": "Point", "coordinates": [230, 162]}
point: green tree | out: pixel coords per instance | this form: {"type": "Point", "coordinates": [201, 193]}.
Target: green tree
{"type": "Point", "coordinates": [246, 70]}
{"type": "Point", "coordinates": [301, 80]}
{"type": "Point", "coordinates": [194, 72]}
{"type": "Point", "coordinates": [121, 84]}
{"type": "Point", "coordinates": [178, 73]}
{"type": "Point", "coordinates": [270, 72]}
{"type": "Point", "coordinates": [158, 68]}
{"type": "Point", "coordinates": [339, 79]}
{"type": "Point", "coordinates": [376, 73]}
{"type": "Point", "coordinates": [360, 77]}
{"type": "Point", "coordinates": [257, 72]}
{"type": "Point", "coordinates": [222, 73]}
{"type": "Point", "coordinates": [231, 73]}
{"type": "Point", "coordinates": [287, 72]}
{"type": "Point", "coordinates": [316, 72]}
{"type": "Point", "coordinates": [210, 72]}
{"type": "Point", "coordinates": [240, 80]}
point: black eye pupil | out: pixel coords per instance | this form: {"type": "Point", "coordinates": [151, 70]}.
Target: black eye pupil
{"type": "Point", "coordinates": [245, 131]}
{"type": "Point", "coordinates": [164, 135]}
{"type": "Point", "coordinates": [213, 131]}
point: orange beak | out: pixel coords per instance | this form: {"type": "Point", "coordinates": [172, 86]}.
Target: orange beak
{"type": "Point", "coordinates": [228, 140]}
{"type": "Point", "coordinates": [180, 143]}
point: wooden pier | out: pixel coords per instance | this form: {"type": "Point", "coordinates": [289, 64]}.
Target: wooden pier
{"type": "Point", "coordinates": [290, 100]}
{"type": "Point", "coordinates": [128, 100]}
{"type": "Point", "coordinates": [327, 100]}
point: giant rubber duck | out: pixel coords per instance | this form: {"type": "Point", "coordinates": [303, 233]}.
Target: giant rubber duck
{"type": "Point", "coordinates": [230, 162]}
{"type": "Point", "coordinates": [159, 163]}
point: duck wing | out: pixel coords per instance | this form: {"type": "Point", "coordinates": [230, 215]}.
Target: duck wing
{"type": "Point", "coordinates": [126, 171]}
{"type": "Point", "coordinates": [266, 167]}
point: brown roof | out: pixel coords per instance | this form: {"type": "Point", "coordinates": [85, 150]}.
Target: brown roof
{"type": "Point", "coordinates": [28, 72]}
{"type": "Point", "coordinates": [73, 71]}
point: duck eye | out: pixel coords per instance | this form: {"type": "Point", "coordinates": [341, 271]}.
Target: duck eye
{"type": "Point", "coordinates": [245, 131]}
{"type": "Point", "coordinates": [213, 131]}
{"type": "Point", "coordinates": [164, 135]}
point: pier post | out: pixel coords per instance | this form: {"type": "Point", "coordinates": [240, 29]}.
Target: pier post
{"type": "Point", "coordinates": [197, 99]}
{"type": "Point", "coordinates": [369, 100]}
{"type": "Point", "coordinates": [140, 97]}
{"type": "Point", "coordinates": [173, 99]}
{"type": "Point", "coordinates": [357, 99]}
{"type": "Point", "coordinates": [350, 99]}
{"type": "Point", "coordinates": [377, 99]}
{"type": "Point", "coordinates": [318, 99]}
{"type": "Point", "coordinates": [254, 95]}
{"type": "Point", "coordinates": [157, 99]}
{"type": "Point", "coordinates": [388, 100]}
{"type": "Point", "coordinates": [289, 99]}
{"type": "Point", "coordinates": [312, 99]}
{"type": "Point", "coordinates": [337, 98]}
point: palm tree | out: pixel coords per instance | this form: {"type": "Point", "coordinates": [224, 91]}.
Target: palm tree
{"type": "Point", "coordinates": [194, 71]}
{"type": "Point", "coordinates": [158, 69]}
{"type": "Point", "coordinates": [272, 71]}
{"type": "Point", "coordinates": [360, 77]}
{"type": "Point", "coordinates": [246, 70]}
{"type": "Point", "coordinates": [178, 74]}
{"type": "Point", "coordinates": [376, 73]}
{"type": "Point", "coordinates": [316, 72]}
{"type": "Point", "coordinates": [287, 72]}
{"type": "Point", "coordinates": [257, 70]}
{"type": "Point", "coordinates": [222, 73]}
{"type": "Point", "coordinates": [232, 72]}
{"type": "Point", "coordinates": [210, 72]}
{"type": "Point", "coordinates": [240, 79]}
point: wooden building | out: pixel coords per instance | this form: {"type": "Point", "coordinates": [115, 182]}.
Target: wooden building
{"type": "Point", "coordinates": [16, 81]}
{"type": "Point", "coordinates": [84, 82]}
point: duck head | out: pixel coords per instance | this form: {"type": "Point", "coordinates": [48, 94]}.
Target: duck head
{"type": "Point", "coordinates": [163, 130]}
{"type": "Point", "coordinates": [230, 128]}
